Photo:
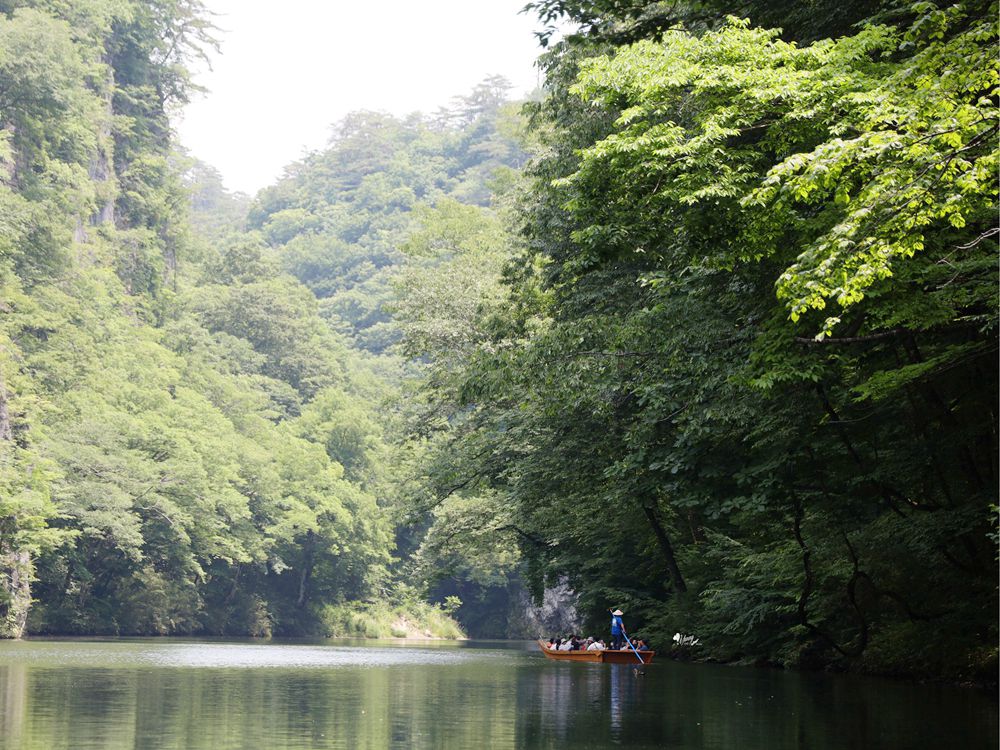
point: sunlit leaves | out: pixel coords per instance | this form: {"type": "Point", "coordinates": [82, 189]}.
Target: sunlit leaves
{"type": "Point", "coordinates": [888, 146]}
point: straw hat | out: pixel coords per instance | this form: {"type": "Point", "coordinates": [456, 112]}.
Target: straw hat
{"type": "Point", "coordinates": [618, 612]}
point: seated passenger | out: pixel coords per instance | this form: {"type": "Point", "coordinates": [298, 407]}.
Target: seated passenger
{"type": "Point", "coordinates": [566, 645]}
{"type": "Point", "coordinates": [596, 646]}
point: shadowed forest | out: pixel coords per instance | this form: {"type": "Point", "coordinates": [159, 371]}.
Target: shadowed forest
{"type": "Point", "coordinates": [705, 329]}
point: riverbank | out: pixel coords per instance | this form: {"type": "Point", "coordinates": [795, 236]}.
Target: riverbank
{"type": "Point", "coordinates": [413, 620]}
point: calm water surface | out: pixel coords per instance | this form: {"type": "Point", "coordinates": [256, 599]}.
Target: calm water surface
{"type": "Point", "coordinates": [137, 693]}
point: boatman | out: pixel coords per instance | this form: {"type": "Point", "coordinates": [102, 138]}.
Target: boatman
{"type": "Point", "coordinates": [617, 630]}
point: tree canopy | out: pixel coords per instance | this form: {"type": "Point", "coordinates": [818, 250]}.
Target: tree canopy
{"type": "Point", "coordinates": [744, 381]}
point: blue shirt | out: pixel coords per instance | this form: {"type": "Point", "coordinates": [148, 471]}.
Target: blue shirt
{"type": "Point", "coordinates": [616, 625]}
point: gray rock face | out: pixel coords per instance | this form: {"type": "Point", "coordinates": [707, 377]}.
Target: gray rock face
{"type": "Point", "coordinates": [557, 614]}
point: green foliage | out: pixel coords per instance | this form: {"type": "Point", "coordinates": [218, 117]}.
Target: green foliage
{"type": "Point", "coordinates": [189, 442]}
{"type": "Point", "coordinates": [741, 378]}
{"type": "Point", "coordinates": [452, 274]}
{"type": "Point", "coordinates": [724, 355]}
{"type": "Point", "coordinates": [411, 619]}
{"type": "Point", "coordinates": [870, 155]}
{"type": "Point", "coordinates": [215, 212]}
{"type": "Point", "coordinates": [341, 215]}
{"type": "Point", "coordinates": [154, 476]}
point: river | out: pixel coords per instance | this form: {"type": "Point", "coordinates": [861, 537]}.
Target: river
{"type": "Point", "coordinates": [216, 695]}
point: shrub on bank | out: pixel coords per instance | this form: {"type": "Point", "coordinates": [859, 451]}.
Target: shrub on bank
{"type": "Point", "coordinates": [383, 620]}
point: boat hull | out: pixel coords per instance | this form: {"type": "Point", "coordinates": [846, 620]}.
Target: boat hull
{"type": "Point", "coordinates": [625, 656]}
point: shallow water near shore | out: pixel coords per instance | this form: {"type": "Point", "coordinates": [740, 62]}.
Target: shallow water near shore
{"type": "Point", "coordinates": [188, 693]}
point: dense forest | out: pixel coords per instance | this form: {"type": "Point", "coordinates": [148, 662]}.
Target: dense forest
{"type": "Point", "coordinates": [705, 330]}
{"type": "Point", "coordinates": [191, 443]}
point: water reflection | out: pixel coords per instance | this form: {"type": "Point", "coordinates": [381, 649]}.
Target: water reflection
{"type": "Point", "coordinates": [141, 694]}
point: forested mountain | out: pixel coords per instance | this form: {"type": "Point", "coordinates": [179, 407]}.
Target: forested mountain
{"type": "Point", "coordinates": [707, 332]}
{"type": "Point", "coordinates": [187, 444]}
{"type": "Point", "coordinates": [168, 404]}
{"type": "Point", "coordinates": [339, 217]}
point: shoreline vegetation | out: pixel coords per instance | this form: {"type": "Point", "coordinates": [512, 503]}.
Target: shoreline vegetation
{"type": "Point", "coordinates": [706, 329]}
{"type": "Point", "coordinates": [417, 620]}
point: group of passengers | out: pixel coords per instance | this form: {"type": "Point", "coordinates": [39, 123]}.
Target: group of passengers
{"type": "Point", "coordinates": [576, 643]}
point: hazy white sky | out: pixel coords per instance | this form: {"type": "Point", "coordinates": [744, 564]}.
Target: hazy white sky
{"type": "Point", "coordinates": [289, 70]}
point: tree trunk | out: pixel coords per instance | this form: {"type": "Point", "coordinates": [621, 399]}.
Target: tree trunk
{"type": "Point", "coordinates": [307, 567]}
{"type": "Point", "coordinates": [666, 547]}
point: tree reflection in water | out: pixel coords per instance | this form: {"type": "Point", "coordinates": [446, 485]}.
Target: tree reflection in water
{"type": "Point", "coordinates": [111, 695]}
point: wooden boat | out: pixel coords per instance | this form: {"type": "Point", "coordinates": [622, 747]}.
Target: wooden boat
{"type": "Point", "coordinates": [625, 656]}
